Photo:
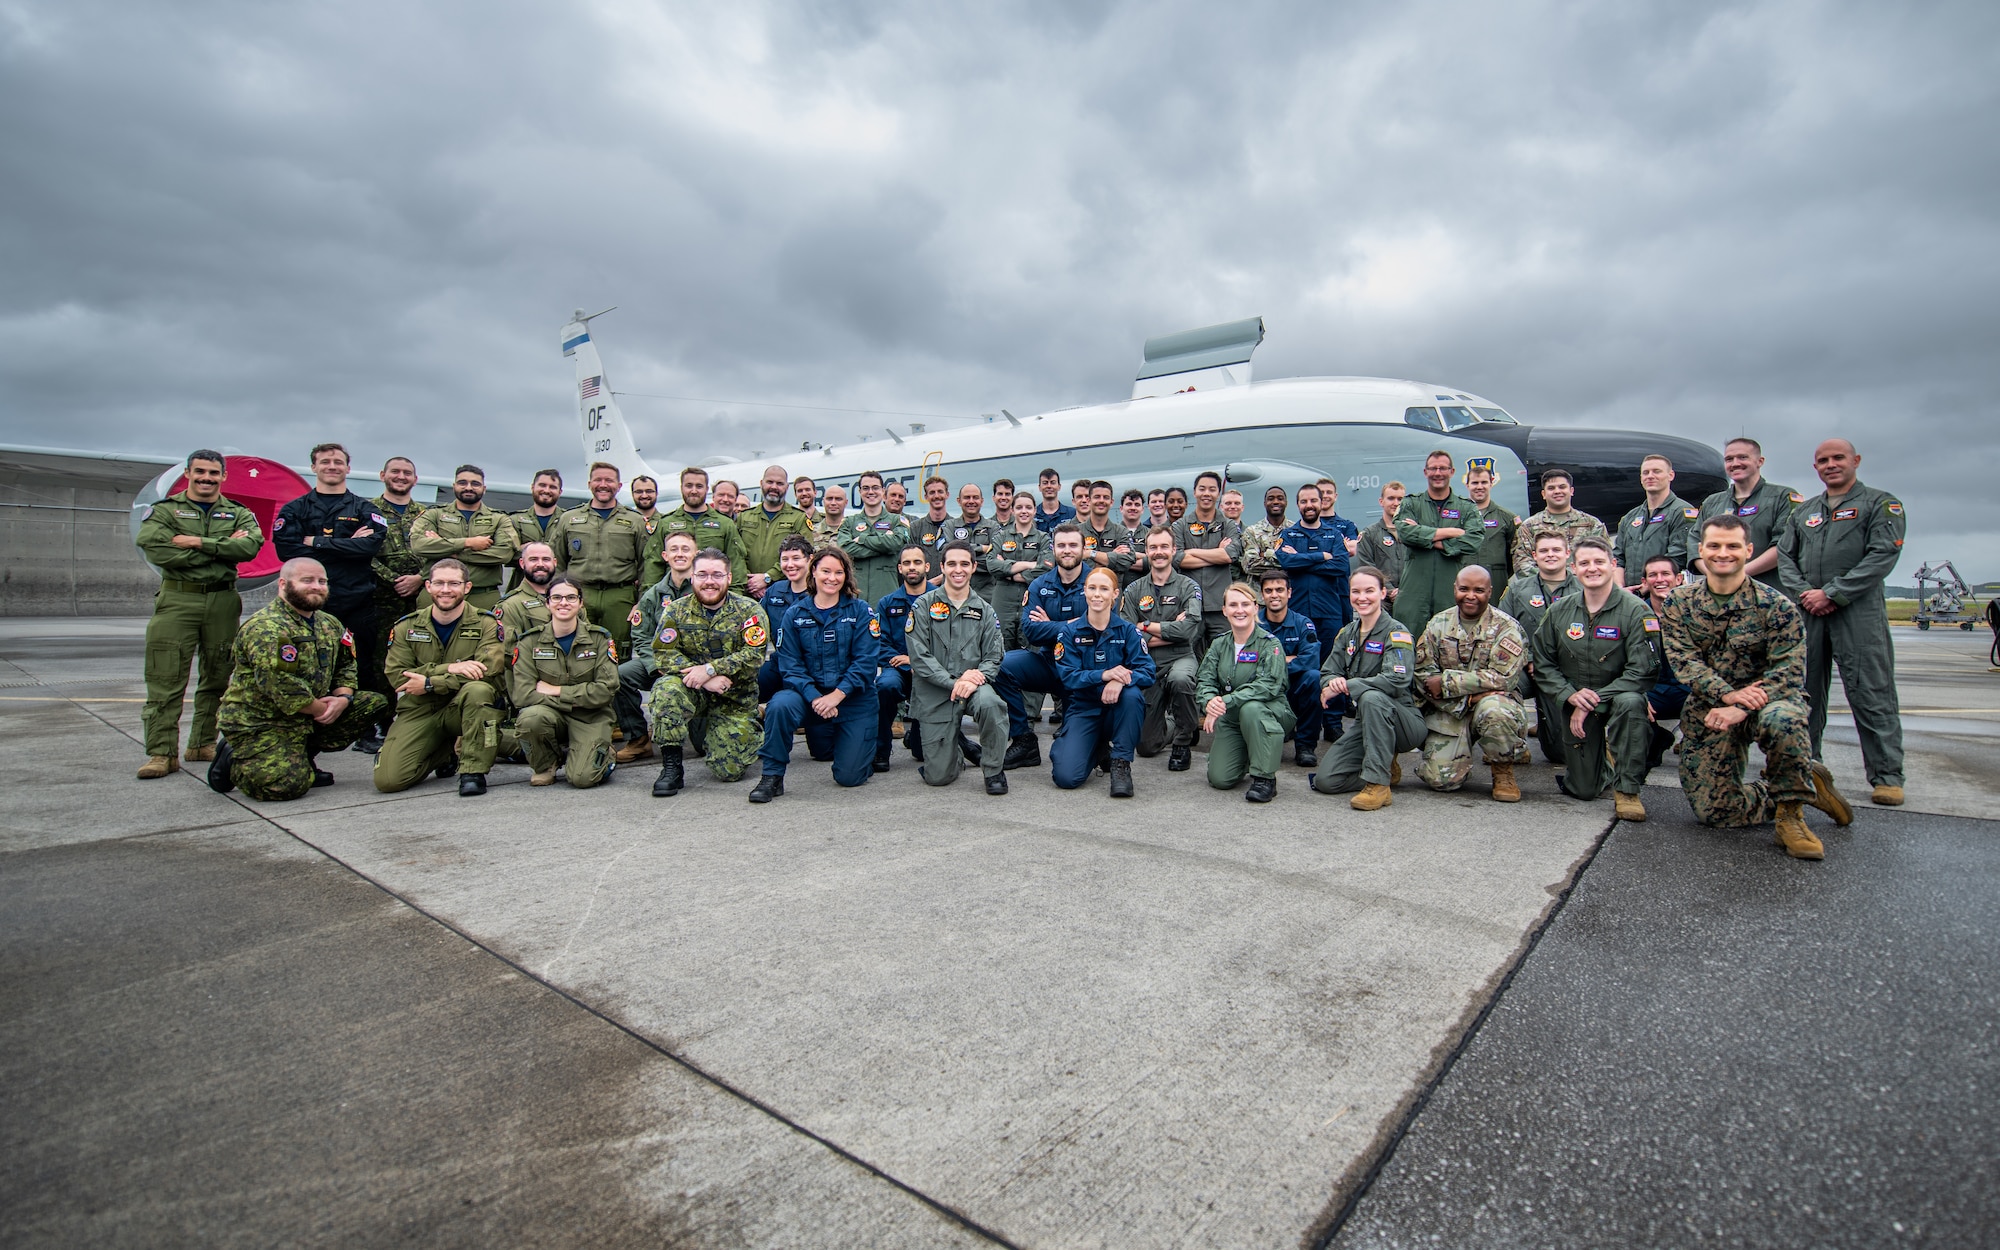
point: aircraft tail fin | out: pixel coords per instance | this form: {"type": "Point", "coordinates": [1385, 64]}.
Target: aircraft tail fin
{"type": "Point", "coordinates": [1204, 359]}
{"type": "Point", "coordinates": [606, 437]}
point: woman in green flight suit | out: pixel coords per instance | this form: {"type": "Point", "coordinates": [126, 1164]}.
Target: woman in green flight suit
{"type": "Point", "coordinates": [1241, 691]}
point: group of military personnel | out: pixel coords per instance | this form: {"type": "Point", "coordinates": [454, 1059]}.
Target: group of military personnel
{"type": "Point", "coordinates": [450, 637]}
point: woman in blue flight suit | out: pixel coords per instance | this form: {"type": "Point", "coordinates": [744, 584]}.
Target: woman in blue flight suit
{"type": "Point", "coordinates": [828, 648]}
{"type": "Point", "coordinates": [1102, 660]}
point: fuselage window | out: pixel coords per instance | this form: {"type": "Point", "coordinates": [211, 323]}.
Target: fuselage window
{"type": "Point", "coordinates": [1494, 416]}
{"type": "Point", "coordinates": [1456, 417]}
{"type": "Point", "coordinates": [1423, 419]}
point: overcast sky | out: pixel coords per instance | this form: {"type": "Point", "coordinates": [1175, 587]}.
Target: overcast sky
{"type": "Point", "coordinates": [262, 224]}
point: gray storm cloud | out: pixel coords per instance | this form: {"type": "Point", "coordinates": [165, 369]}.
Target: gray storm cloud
{"type": "Point", "coordinates": [263, 224]}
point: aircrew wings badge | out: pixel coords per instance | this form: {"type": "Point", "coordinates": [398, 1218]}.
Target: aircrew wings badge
{"type": "Point", "coordinates": [753, 633]}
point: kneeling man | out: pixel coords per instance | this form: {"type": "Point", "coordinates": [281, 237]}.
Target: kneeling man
{"type": "Point", "coordinates": [1595, 659]}
{"type": "Point", "coordinates": [955, 653]}
{"type": "Point", "coordinates": [1469, 662]}
{"type": "Point", "coordinates": [447, 664]}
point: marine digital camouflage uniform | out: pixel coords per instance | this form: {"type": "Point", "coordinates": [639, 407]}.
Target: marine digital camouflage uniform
{"type": "Point", "coordinates": [1480, 663]}
{"type": "Point", "coordinates": [1719, 644]}
{"type": "Point", "coordinates": [285, 660]}
{"type": "Point", "coordinates": [455, 708]}
{"type": "Point", "coordinates": [733, 638]}
{"type": "Point", "coordinates": [194, 613]}
{"type": "Point", "coordinates": [1572, 525]}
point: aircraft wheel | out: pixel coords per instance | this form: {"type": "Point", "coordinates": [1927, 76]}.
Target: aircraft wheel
{"type": "Point", "coordinates": [1923, 624]}
{"type": "Point", "coordinates": [1966, 626]}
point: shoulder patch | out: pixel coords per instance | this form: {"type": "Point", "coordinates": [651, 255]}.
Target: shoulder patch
{"type": "Point", "coordinates": [288, 653]}
{"type": "Point", "coordinates": [1690, 513]}
{"type": "Point", "coordinates": [753, 633]}
{"type": "Point", "coordinates": [1652, 624]}
{"type": "Point", "coordinates": [875, 627]}
{"type": "Point", "coordinates": [1893, 507]}
{"type": "Point", "coordinates": [668, 633]}
{"type": "Point", "coordinates": [1400, 635]}
{"type": "Point", "coordinates": [347, 639]}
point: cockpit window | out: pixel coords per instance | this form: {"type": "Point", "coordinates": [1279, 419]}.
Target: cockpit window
{"type": "Point", "coordinates": [1423, 419]}
{"type": "Point", "coordinates": [1494, 416]}
{"type": "Point", "coordinates": [1456, 416]}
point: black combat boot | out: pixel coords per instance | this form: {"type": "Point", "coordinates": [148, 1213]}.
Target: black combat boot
{"type": "Point", "coordinates": [997, 784]}
{"type": "Point", "coordinates": [1303, 756]}
{"type": "Point", "coordinates": [913, 742]}
{"type": "Point", "coordinates": [769, 787]}
{"type": "Point", "coordinates": [1121, 779]}
{"type": "Point", "coordinates": [1262, 790]}
{"type": "Point", "coordinates": [448, 769]}
{"type": "Point", "coordinates": [671, 777]}
{"type": "Point", "coordinates": [1181, 760]}
{"type": "Point", "coordinates": [970, 750]}
{"type": "Point", "coordinates": [1023, 752]}
{"type": "Point", "coordinates": [321, 777]}
{"type": "Point", "coordinates": [471, 785]}
{"type": "Point", "coordinates": [219, 779]}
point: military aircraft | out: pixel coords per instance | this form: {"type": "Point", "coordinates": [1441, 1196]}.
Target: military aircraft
{"type": "Point", "coordinates": [1194, 406]}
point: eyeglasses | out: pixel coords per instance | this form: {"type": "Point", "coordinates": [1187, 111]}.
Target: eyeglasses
{"type": "Point", "coordinates": [565, 598]}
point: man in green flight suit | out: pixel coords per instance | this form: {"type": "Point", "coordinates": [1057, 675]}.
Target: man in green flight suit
{"type": "Point", "coordinates": [1833, 557]}
{"type": "Point", "coordinates": [1740, 647]}
{"type": "Point", "coordinates": [873, 538]}
{"type": "Point", "coordinates": [955, 654]}
{"type": "Point", "coordinates": [1528, 598]}
{"type": "Point", "coordinates": [1495, 526]}
{"type": "Point", "coordinates": [602, 547]}
{"type": "Point", "coordinates": [537, 522]}
{"type": "Point", "coordinates": [1167, 608]}
{"type": "Point", "coordinates": [1595, 656]}
{"type": "Point", "coordinates": [1660, 525]}
{"type": "Point", "coordinates": [1435, 529]}
{"type": "Point", "coordinates": [292, 694]}
{"type": "Point", "coordinates": [708, 649]}
{"type": "Point", "coordinates": [399, 573]}
{"type": "Point", "coordinates": [764, 527]}
{"type": "Point", "coordinates": [1764, 506]}
{"type": "Point", "coordinates": [483, 539]}
{"type": "Point", "coordinates": [561, 683]}
{"type": "Point", "coordinates": [447, 663]}
{"type": "Point", "coordinates": [196, 538]}
{"type": "Point", "coordinates": [710, 526]}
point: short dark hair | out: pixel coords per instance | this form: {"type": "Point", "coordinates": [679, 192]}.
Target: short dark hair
{"type": "Point", "coordinates": [1591, 542]}
{"type": "Point", "coordinates": [1663, 558]}
{"type": "Point", "coordinates": [644, 477]}
{"type": "Point", "coordinates": [796, 542]}
{"type": "Point", "coordinates": [1106, 487]}
{"type": "Point", "coordinates": [1176, 490]}
{"type": "Point", "coordinates": [1067, 527]}
{"type": "Point", "coordinates": [209, 454]}
{"type": "Point", "coordinates": [1048, 473]}
{"type": "Point", "coordinates": [393, 459]}
{"type": "Point", "coordinates": [1279, 575]}
{"type": "Point", "coordinates": [469, 468]}
{"type": "Point", "coordinates": [1209, 473]}
{"type": "Point", "coordinates": [563, 579]}
{"type": "Point", "coordinates": [1662, 457]}
{"type": "Point", "coordinates": [1008, 482]}
{"type": "Point", "coordinates": [1134, 493]}
{"type": "Point", "coordinates": [693, 470]}
{"type": "Point", "coordinates": [1440, 452]}
{"type": "Point", "coordinates": [320, 449]}
{"type": "Point", "coordinates": [865, 475]}
{"type": "Point", "coordinates": [542, 473]}
{"type": "Point", "coordinates": [1725, 521]}
{"type": "Point", "coordinates": [1557, 475]}
{"type": "Point", "coordinates": [907, 548]}
{"type": "Point", "coordinates": [959, 545]}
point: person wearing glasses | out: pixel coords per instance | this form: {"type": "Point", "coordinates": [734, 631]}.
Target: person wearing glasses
{"type": "Point", "coordinates": [707, 649]}
{"type": "Point", "coordinates": [564, 677]}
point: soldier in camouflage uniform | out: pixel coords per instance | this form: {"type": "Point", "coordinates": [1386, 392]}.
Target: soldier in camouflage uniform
{"type": "Point", "coordinates": [708, 649]}
{"type": "Point", "coordinates": [196, 539]}
{"type": "Point", "coordinates": [1260, 540]}
{"type": "Point", "coordinates": [1469, 662]}
{"type": "Point", "coordinates": [399, 573]}
{"type": "Point", "coordinates": [483, 539]}
{"type": "Point", "coordinates": [1556, 517]}
{"type": "Point", "coordinates": [1740, 647]}
{"type": "Point", "coordinates": [292, 695]}
{"type": "Point", "coordinates": [638, 669]}
{"type": "Point", "coordinates": [561, 683]}
{"type": "Point", "coordinates": [832, 514]}
{"type": "Point", "coordinates": [447, 664]}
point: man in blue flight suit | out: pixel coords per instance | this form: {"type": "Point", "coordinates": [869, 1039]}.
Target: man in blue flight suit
{"type": "Point", "coordinates": [1052, 511]}
{"type": "Point", "coordinates": [1104, 664]}
{"type": "Point", "coordinates": [1313, 552]}
{"type": "Point", "coordinates": [892, 684]}
{"type": "Point", "coordinates": [1054, 598]}
{"type": "Point", "coordinates": [827, 655]}
{"type": "Point", "coordinates": [1300, 639]}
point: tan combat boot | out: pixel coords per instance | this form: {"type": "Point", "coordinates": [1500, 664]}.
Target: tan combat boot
{"type": "Point", "coordinates": [1798, 841]}
{"type": "Point", "coordinates": [1504, 788]}
{"type": "Point", "coordinates": [200, 755]}
{"type": "Point", "coordinates": [1827, 799]}
{"type": "Point", "coordinates": [1395, 772]}
{"type": "Point", "coordinates": [634, 749]}
{"type": "Point", "coordinates": [1887, 796]}
{"type": "Point", "coordinates": [543, 779]}
{"type": "Point", "coordinates": [157, 766]}
{"type": "Point", "coordinates": [1629, 807]}
{"type": "Point", "coordinates": [1371, 798]}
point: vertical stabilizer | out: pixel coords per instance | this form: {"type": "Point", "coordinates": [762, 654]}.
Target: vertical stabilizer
{"type": "Point", "coordinates": [605, 434]}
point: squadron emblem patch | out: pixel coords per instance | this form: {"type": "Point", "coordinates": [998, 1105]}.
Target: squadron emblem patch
{"type": "Point", "coordinates": [288, 653]}
{"type": "Point", "coordinates": [1575, 633]}
{"type": "Point", "coordinates": [753, 633]}
{"type": "Point", "coordinates": [940, 610]}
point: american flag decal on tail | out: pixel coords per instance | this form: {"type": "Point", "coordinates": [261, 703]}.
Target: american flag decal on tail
{"type": "Point", "coordinates": [589, 386]}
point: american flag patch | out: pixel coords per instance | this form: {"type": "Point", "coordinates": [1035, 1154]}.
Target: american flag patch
{"type": "Point", "coordinates": [589, 386]}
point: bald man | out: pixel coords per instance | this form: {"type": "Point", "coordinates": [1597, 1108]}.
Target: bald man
{"type": "Point", "coordinates": [1832, 558]}
{"type": "Point", "coordinates": [765, 527]}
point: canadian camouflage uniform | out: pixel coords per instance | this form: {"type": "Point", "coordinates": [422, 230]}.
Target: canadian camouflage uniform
{"type": "Point", "coordinates": [1721, 643]}
{"type": "Point", "coordinates": [733, 637]}
{"type": "Point", "coordinates": [453, 708]}
{"type": "Point", "coordinates": [1480, 665]}
{"type": "Point", "coordinates": [442, 531]}
{"type": "Point", "coordinates": [1572, 525]}
{"type": "Point", "coordinates": [637, 670]}
{"type": "Point", "coordinates": [393, 561]}
{"type": "Point", "coordinates": [578, 719]}
{"type": "Point", "coordinates": [285, 660]}
{"type": "Point", "coordinates": [194, 613]}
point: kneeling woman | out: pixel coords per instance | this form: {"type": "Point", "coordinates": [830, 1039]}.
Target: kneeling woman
{"type": "Point", "coordinates": [565, 676]}
{"type": "Point", "coordinates": [828, 649]}
{"type": "Point", "coordinates": [1241, 691]}
{"type": "Point", "coordinates": [1103, 663]}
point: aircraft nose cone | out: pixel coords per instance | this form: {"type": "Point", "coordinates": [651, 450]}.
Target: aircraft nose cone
{"type": "Point", "coordinates": [1605, 465]}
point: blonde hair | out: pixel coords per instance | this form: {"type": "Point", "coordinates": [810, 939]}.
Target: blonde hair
{"type": "Point", "coordinates": [1242, 588]}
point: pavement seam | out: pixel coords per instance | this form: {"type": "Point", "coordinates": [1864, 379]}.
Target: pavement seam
{"type": "Point", "coordinates": [942, 1208]}
{"type": "Point", "coordinates": [1423, 1096]}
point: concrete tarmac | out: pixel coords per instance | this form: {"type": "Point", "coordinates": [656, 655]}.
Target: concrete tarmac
{"type": "Point", "coordinates": [1044, 1019]}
